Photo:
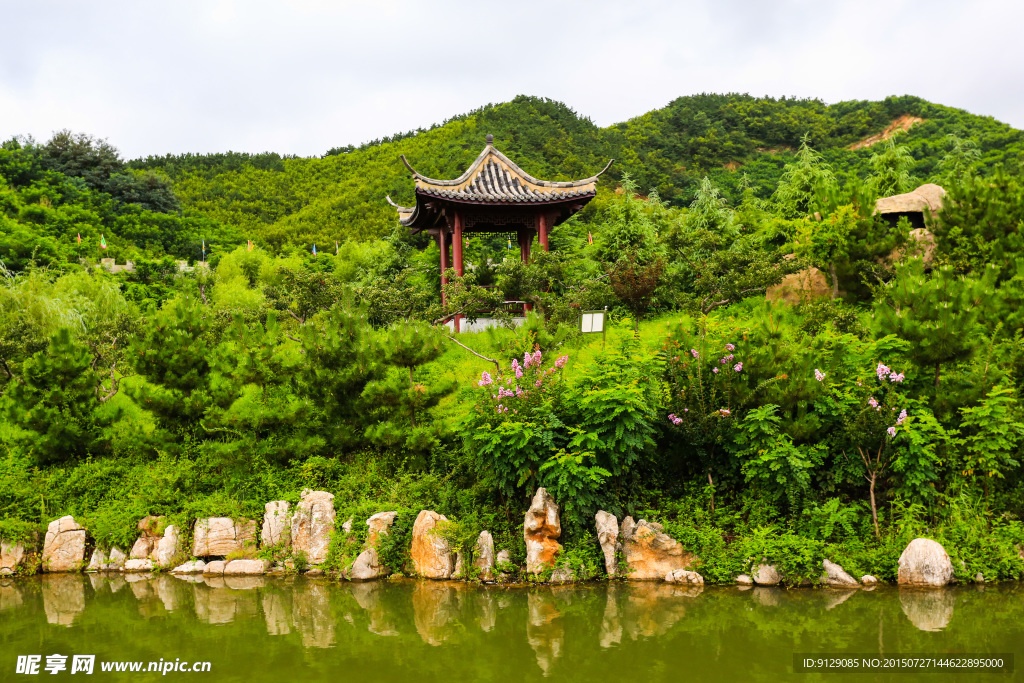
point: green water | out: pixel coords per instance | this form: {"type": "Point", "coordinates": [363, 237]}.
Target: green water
{"type": "Point", "coordinates": [255, 629]}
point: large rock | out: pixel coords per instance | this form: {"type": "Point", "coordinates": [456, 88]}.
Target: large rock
{"type": "Point", "coordinates": [541, 530]}
{"type": "Point", "coordinates": [927, 198]}
{"type": "Point", "coordinates": [649, 552]}
{"type": "Point", "coordinates": [142, 548]}
{"type": "Point", "coordinates": [64, 546]}
{"type": "Point", "coordinates": [924, 563]}
{"type": "Point", "coordinates": [368, 565]}
{"type": "Point", "coordinates": [766, 575]}
{"type": "Point", "coordinates": [483, 556]}
{"type": "Point", "coordinates": [138, 565]}
{"type": "Point", "coordinates": [219, 536]}
{"type": "Point", "coordinates": [215, 568]}
{"type": "Point", "coordinates": [683, 576]}
{"type": "Point", "coordinates": [836, 576]}
{"type": "Point", "coordinates": [431, 556]}
{"type": "Point", "coordinates": [799, 287]}
{"type": "Point", "coordinates": [167, 548]}
{"type": "Point", "coordinates": [11, 557]}
{"type": "Point", "coordinates": [277, 524]}
{"type": "Point", "coordinates": [193, 567]}
{"type": "Point", "coordinates": [115, 560]}
{"type": "Point", "coordinates": [608, 537]}
{"type": "Point", "coordinates": [246, 567]}
{"type": "Point", "coordinates": [149, 535]}
{"type": "Point", "coordinates": [97, 561]}
{"type": "Point", "coordinates": [921, 242]}
{"type": "Point", "coordinates": [312, 524]}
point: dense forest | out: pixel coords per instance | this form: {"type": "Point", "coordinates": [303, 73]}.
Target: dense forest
{"type": "Point", "coordinates": [232, 365]}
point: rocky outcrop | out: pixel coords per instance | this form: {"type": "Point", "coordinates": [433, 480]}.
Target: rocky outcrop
{"type": "Point", "coordinates": [649, 552]}
{"type": "Point", "coordinates": [744, 580]}
{"type": "Point", "coordinates": [138, 565]}
{"type": "Point", "coordinates": [97, 561]}
{"type": "Point", "coordinates": [167, 548]}
{"type": "Point", "coordinates": [246, 567]}
{"type": "Point", "coordinates": [115, 560]}
{"type": "Point", "coordinates": [11, 557]}
{"type": "Point", "coordinates": [64, 546]}
{"type": "Point", "coordinates": [431, 556]}
{"type": "Point", "coordinates": [219, 536]}
{"type": "Point", "coordinates": [924, 563]}
{"type": "Point", "coordinates": [312, 524]}
{"type": "Point", "coordinates": [868, 580]}
{"type": "Point", "coordinates": [926, 198]}
{"type": "Point", "coordinates": [215, 568]}
{"type": "Point", "coordinates": [683, 576]}
{"type": "Point", "coordinates": [799, 287]}
{"type": "Point", "coordinates": [608, 537]}
{"type": "Point", "coordinates": [836, 576]}
{"type": "Point", "coordinates": [193, 567]}
{"type": "Point", "coordinates": [277, 529]}
{"type": "Point", "coordinates": [149, 534]}
{"type": "Point", "coordinates": [483, 556]}
{"type": "Point", "coordinates": [541, 530]}
{"type": "Point", "coordinates": [368, 565]}
{"type": "Point", "coordinates": [766, 575]}
{"type": "Point", "coordinates": [921, 243]}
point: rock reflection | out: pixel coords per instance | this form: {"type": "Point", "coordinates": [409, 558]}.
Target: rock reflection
{"type": "Point", "coordinates": [63, 597]}
{"type": "Point", "coordinates": [928, 610]}
{"type": "Point", "coordinates": [312, 614]}
{"type": "Point", "coordinates": [486, 610]}
{"type": "Point", "coordinates": [10, 596]}
{"type": "Point", "coordinates": [170, 592]}
{"type": "Point", "coordinates": [544, 628]}
{"type": "Point", "coordinates": [368, 595]}
{"type": "Point", "coordinates": [611, 626]}
{"type": "Point", "coordinates": [277, 612]}
{"type": "Point", "coordinates": [653, 608]}
{"type": "Point", "coordinates": [834, 598]}
{"type": "Point", "coordinates": [434, 604]}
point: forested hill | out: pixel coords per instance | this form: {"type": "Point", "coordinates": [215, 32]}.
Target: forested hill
{"type": "Point", "coordinates": [71, 187]}
{"type": "Point", "coordinates": [280, 200]}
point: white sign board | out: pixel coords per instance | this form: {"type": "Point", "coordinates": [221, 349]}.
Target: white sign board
{"type": "Point", "coordinates": [592, 322]}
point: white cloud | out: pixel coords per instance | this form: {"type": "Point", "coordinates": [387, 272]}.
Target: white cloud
{"type": "Point", "coordinates": [302, 77]}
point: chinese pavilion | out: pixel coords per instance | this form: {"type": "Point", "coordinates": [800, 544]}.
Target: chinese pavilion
{"type": "Point", "coordinates": [492, 196]}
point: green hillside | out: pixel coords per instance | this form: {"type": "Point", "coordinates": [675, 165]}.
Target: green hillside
{"type": "Point", "coordinates": [278, 201]}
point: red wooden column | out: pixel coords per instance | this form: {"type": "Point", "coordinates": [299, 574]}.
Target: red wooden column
{"type": "Point", "coordinates": [457, 253]}
{"type": "Point", "coordinates": [443, 243]}
{"type": "Point", "coordinates": [525, 238]}
{"type": "Point", "coordinates": [457, 243]}
{"type": "Point", "coordinates": [542, 230]}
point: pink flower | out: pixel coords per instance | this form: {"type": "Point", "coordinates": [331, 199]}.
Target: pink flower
{"type": "Point", "coordinates": [730, 347]}
{"type": "Point", "coordinates": [560, 363]}
{"type": "Point", "coordinates": [519, 373]}
{"type": "Point", "coordinates": [891, 431]}
{"type": "Point", "coordinates": [686, 410]}
{"type": "Point", "coordinates": [882, 371]}
{"type": "Point", "coordinates": [537, 383]}
{"type": "Point", "coordinates": [872, 402]}
{"type": "Point", "coordinates": [536, 357]}
{"type": "Point", "coordinates": [902, 417]}
{"type": "Point", "coordinates": [738, 367]}
{"type": "Point", "coordinates": [894, 377]}
{"type": "Point", "coordinates": [818, 374]}
{"type": "Point", "coordinates": [485, 379]}
{"type": "Point", "coordinates": [714, 370]}
{"type": "Point", "coordinates": [725, 412]}
{"type": "Point", "coordinates": [693, 352]}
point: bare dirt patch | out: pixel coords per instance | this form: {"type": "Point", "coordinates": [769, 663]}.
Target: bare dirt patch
{"type": "Point", "coordinates": [904, 123]}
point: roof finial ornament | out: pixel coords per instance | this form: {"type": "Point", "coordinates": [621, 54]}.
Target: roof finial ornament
{"type": "Point", "coordinates": [490, 139]}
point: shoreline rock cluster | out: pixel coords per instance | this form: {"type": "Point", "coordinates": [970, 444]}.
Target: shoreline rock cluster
{"type": "Point", "coordinates": [634, 550]}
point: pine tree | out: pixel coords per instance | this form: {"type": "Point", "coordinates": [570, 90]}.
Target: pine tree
{"type": "Point", "coordinates": [56, 402]}
{"type": "Point", "coordinates": [804, 182]}
{"type": "Point", "coordinates": [891, 169]}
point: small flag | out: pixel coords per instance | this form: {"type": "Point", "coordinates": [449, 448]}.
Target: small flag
{"type": "Point", "coordinates": [103, 242]}
{"type": "Point", "coordinates": [250, 245]}
{"type": "Point", "coordinates": [335, 247]}
{"type": "Point", "coordinates": [79, 238]}
{"type": "Point", "coordinates": [590, 237]}
{"type": "Point", "coordinates": [509, 242]}
{"type": "Point", "coordinates": [314, 248]}
{"type": "Point", "coordinates": [204, 250]}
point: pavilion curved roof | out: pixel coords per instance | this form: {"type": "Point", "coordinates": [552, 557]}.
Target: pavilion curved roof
{"type": "Point", "coordinates": [494, 179]}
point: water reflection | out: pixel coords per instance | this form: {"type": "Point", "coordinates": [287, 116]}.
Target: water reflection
{"type": "Point", "coordinates": [10, 595]}
{"type": "Point", "coordinates": [928, 610]}
{"type": "Point", "coordinates": [63, 597]}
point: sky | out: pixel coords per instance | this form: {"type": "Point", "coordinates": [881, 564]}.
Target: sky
{"type": "Point", "coordinates": [301, 77]}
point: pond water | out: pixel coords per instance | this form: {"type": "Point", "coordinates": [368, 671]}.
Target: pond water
{"type": "Point", "coordinates": [256, 629]}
